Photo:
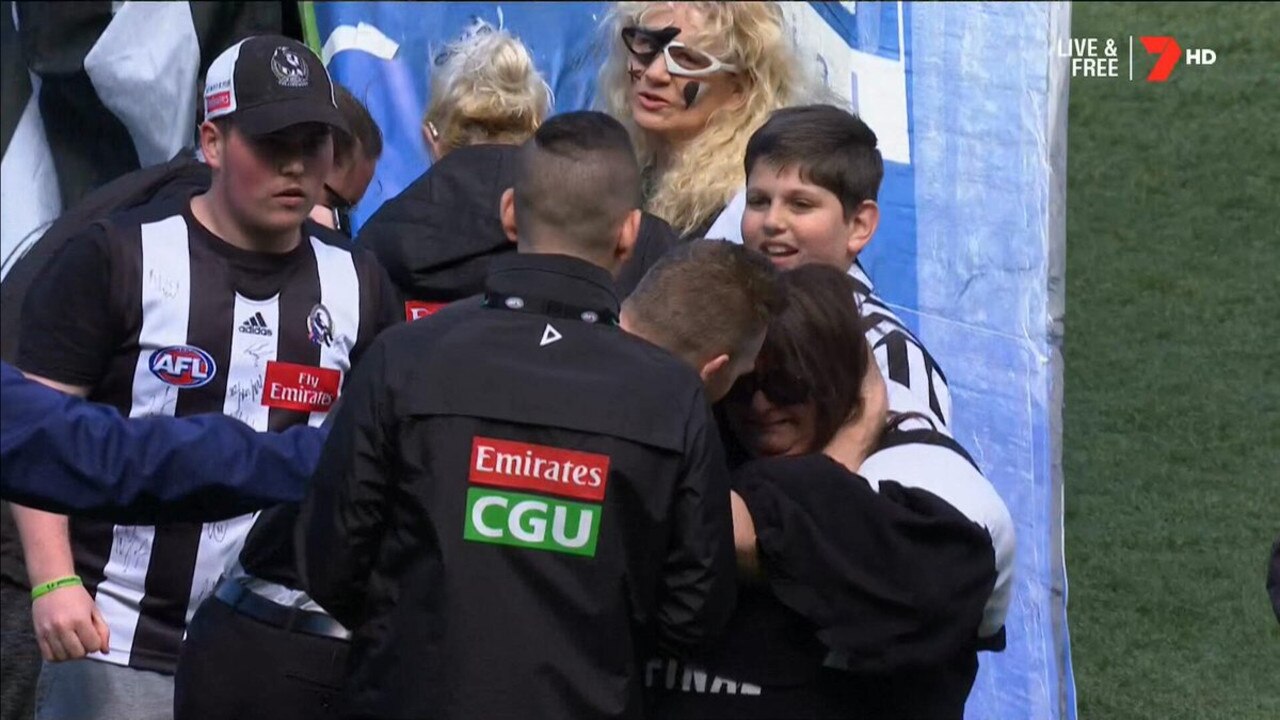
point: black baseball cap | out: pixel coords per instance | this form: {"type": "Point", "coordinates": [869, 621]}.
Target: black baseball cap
{"type": "Point", "coordinates": [269, 82]}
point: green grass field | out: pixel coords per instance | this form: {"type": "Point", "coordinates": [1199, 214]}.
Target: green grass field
{"type": "Point", "coordinates": [1172, 418]}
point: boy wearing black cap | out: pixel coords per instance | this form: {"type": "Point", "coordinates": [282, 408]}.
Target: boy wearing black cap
{"type": "Point", "coordinates": [219, 302]}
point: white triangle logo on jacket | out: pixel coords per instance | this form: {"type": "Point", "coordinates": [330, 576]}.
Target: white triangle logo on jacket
{"type": "Point", "coordinates": [549, 335]}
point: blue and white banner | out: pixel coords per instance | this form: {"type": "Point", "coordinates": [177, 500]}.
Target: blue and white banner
{"type": "Point", "coordinates": [969, 103]}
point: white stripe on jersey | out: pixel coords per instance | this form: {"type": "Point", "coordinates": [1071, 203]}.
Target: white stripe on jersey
{"type": "Point", "coordinates": [166, 303]}
{"type": "Point", "coordinates": [941, 471]}
{"type": "Point", "coordinates": [119, 595]}
{"type": "Point", "coordinates": [250, 353]}
{"type": "Point", "coordinates": [340, 294]}
{"type": "Point", "coordinates": [915, 362]}
{"type": "Point", "coordinates": [166, 307]}
{"type": "Point", "coordinates": [220, 542]}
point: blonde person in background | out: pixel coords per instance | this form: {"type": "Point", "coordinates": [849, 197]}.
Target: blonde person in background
{"type": "Point", "coordinates": [691, 82]}
{"type": "Point", "coordinates": [437, 237]}
{"type": "Point", "coordinates": [485, 90]}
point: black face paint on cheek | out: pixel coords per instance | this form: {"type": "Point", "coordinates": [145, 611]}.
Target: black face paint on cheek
{"type": "Point", "coordinates": [634, 73]}
{"type": "Point", "coordinates": [691, 93]}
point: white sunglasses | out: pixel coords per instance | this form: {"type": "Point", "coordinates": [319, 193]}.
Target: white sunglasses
{"type": "Point", "coordinates": [681, 59]}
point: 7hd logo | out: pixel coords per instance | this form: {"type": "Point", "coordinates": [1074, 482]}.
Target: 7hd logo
{"type": "Point", "coordinates": [1170, 52]}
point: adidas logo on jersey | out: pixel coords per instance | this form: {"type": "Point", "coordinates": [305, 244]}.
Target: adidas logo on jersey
{"type": "Point", "coordinates": [256, 325]}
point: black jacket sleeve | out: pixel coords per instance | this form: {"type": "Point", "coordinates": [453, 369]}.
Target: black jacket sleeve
{"type": "Point", "coordinates": [653, 241]}
{"type": "Point", "coordinates": [340, 525]}
{"type": "Point", "coordinates": [893, 580]}
{"type": "Point", "coordinates": [390, 301]}
{"type": "Point", "coordinates": [698, 587]}
{"type": "Point", "coordinates": [381, 303]}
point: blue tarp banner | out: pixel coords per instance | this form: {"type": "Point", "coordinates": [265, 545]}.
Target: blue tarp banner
{"type": "Point", "coordinates": [969, 104]}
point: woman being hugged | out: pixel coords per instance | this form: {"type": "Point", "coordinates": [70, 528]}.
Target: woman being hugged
{"type": "Point", "coordinates": [692, 81]}
{"type": "Point", "coordinates": [875, 559]}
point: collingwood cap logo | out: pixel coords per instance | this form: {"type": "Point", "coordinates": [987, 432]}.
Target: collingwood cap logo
{"type": "Point", "coordinates": [290, 70]}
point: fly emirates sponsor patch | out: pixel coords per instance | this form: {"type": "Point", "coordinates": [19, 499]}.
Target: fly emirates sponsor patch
{"type": "Point", "coordinates": [302, 388]}
{"type": "Point", "coordinates": [564, 515]}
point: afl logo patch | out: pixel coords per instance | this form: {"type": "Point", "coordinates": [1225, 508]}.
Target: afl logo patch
{"type": "Point", "coordinates": [182, 366]}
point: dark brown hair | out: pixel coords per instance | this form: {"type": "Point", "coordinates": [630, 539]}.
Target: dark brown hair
{"type": "Point", "coordinates": [364, 129]}
{"type": "Point", "coordinates": [817, 342]}
{"type": "Point", "coordinates": [706, 297]}
{"type": "Point", "coordinates": [830, 147]}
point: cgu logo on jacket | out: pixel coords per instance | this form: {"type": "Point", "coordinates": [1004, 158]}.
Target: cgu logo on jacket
{"type": "Point", "coordinates": [547, 520]}
{"type": "Point", "coordinates": [182, 366]}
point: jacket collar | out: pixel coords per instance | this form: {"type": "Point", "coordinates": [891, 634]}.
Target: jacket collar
{"type": "Point", "coordinates": [556, 279]}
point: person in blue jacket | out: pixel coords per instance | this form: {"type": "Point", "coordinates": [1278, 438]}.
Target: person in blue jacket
{"type": "Point", "coordinates": [64, 454]}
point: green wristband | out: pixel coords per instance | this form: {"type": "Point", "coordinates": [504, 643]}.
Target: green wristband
{"type": "Point", "coordinates": [42, 590]}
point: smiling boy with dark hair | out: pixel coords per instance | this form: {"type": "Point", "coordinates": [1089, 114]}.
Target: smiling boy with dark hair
{"type": "Point", "coordinates": [813, 176]}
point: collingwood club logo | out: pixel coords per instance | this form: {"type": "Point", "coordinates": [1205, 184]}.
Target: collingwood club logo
{"type": "Point", "coordinates": [320, 325]}
{"type": "Point", "coordinates": [290, 69]}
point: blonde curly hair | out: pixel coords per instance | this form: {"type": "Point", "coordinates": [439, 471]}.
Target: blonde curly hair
{"type": "Point", "coordinates": [704, 174]}
{"type": "Point", "coordinates": [486, 89]}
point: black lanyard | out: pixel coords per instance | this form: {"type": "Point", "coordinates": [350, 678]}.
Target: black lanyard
{"type": "Point", "coordinates": [550, 308]}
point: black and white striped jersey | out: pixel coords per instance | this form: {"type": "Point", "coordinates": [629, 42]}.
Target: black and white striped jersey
{"type": "Point", "coordinates": [914, 380]}
{"type": "Point", "coordinates": [161, 317]}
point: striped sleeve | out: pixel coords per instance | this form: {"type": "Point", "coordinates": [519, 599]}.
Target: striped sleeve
{"type": "Point", "coordinates": [914, 379]}
{"type": "Point", "coordinates": [924, 461]}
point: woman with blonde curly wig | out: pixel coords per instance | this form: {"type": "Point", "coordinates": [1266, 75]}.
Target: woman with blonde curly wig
{"type": "Point", "coordinates": [692, 81]}
{"type": "Point", "coordinates": [437, 238]}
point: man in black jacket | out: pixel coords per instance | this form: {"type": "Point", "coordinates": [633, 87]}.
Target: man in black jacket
{"type": "Point", "coordinates": [517, 497]}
